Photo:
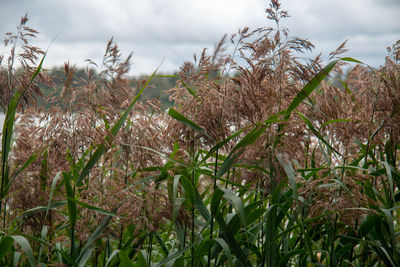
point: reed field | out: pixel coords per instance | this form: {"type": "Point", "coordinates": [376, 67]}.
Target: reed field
{"type": "Point", "coordinates": [263, 159]}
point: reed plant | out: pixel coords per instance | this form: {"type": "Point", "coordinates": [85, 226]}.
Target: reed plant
{"type": "Point", "coordinates": [263, 160]}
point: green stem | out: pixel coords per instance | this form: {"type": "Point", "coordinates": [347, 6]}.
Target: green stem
{"type": "Point", "coordinates": [212, 216]}
{"type": "Point", "coordinates": [150, 248]}
{"type": "Point", "coordinates": [192, 146]}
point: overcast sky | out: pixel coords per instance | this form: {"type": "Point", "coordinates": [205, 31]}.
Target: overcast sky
{"type": "Point", "coordinates": [176, 29]}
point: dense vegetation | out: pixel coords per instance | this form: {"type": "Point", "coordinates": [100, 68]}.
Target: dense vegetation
{"type": "Point", "coordinates": [262, 159]}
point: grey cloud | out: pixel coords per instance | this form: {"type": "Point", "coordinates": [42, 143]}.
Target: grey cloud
{"type": "Point", "coordinates": [353, 16]}
{"type": "Point", "coordinates": [177, 29]}
{"type": "Point", "coordinates": [389, 3]}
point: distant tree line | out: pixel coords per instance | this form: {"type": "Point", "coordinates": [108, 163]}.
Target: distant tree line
{"type": "Point", "coordinates": [158, 88]}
